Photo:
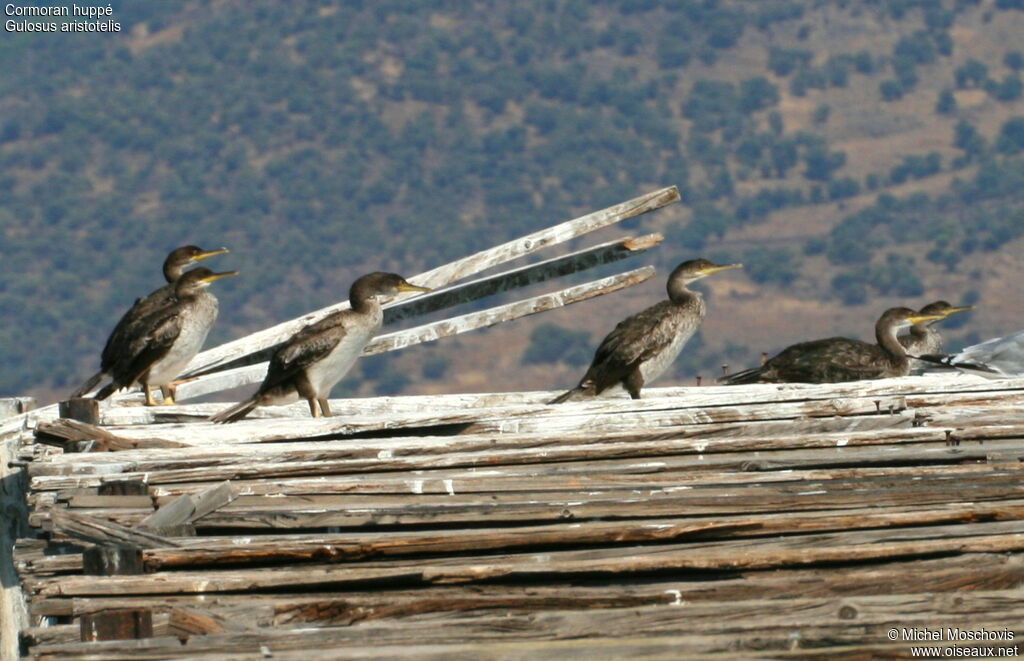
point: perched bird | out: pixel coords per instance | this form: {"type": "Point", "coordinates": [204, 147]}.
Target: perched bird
{"type": "Point", "coordinates": [175, 264]}
{"type": "Point", "coordinates": [642, 347]}
{"type": "Point", "coordinates": [158, 346]}
{"type": "Point", "coordinates": [1000, 358]}
{"type": "Point", "coordinates": [923, 338]}
{"type": "Point", "coordinates": [313, 360]}
{"type": "Point", "coordinates": [838, 359]}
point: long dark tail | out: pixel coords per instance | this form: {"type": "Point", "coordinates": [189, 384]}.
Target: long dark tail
{"type": "Point", "coordinates": [583, 391]}
{"type": "Point", "coordinates": [752, 375]}
{"type": "Point", "coordinates": [946, 360]}
{"type": "Point", "coordinates": [107, 391]}
{"type": "Point", "coordinates": [89, 384]}
{"type": "Point", "coordinates": [236, 412]}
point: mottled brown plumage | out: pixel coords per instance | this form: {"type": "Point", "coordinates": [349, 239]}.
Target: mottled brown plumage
{"type": "Point", "coordinates": [174, 266]}
{"type": "Point", "coordinates": [160, 344]}
{"type": "Point", "coordinates": [313, 360]}
{"type": "Point", "coordinates": [642, 347]}
{"type": "Point", "coordinates": [837, 359]}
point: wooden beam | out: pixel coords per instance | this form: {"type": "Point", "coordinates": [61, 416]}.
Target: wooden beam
{"type": "Point", "coordinates": [242, 376]}
{"type": "Point", "coordinates": [555, 267]}
{"type": "Point", "coordinates": [446, 274]}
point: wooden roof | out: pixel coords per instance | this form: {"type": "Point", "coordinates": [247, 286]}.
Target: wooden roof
{"type": "Point", "coordinates": [759, 521]}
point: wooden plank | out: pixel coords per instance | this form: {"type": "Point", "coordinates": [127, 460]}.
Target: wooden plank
{"type": "Point", "coordinates": [444, 275]}
{"type": "Point", "coordinates": [13, 484]}
{"type": "Point", "coordinates": [609, 417]}
{"type": "Point", "coordinates": [576, 262]}
{"type": "Point", "coordinates": [235, 378]}
{"type": "Point", "coordinates": [748, 625]}
{"type": "Point", "coordinates": [711, 556]}
{"type": "Point", "coordinates": [189, 507]}
{"type": "Point", "coordinates": [102, 531]}
{"type": "Point", "coordinates": [950, 574]}
{"type": "Point", "coordinates": [11, 406]}
{"type": "Point", "coordinates": [920, 453]}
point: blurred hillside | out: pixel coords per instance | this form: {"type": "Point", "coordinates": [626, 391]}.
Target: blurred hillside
{"type": "Point", "coordinates": [854, 154]}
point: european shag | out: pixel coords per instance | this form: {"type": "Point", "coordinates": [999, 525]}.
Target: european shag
{"type": "Point", "coordinates": [313, 360]}
{"type": "Point", "coordinates": [159, 346]}
{"type": "Point", "coordinates": [923, 338]}
{"type": "Point", "coordinates": [642, 346]}
{"type": "Point", "coordinates": [177, 261]}
{"type": "Point", "coordinates": [837, 359]}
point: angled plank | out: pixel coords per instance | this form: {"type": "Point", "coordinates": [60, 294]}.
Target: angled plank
{"type": "Point", "coordinates": [449, 273]}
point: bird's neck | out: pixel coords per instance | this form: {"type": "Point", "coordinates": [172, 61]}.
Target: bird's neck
{"type": "Point", "coordinates": [172, 273]}
{"type": "Point", "coordinates": [680, 294]}
{"type": "Point", "coordinates": [921, 331]}
{"type": "Point", "coordinates": [365, 305]}
{"type": "Point", "coordinates": [885, 335]}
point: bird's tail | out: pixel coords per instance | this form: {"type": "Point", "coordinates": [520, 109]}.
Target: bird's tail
{"type": "Point", "coordinates": [106, 391]}
{"type": "Point", "coordinates": [578, 393]}
{"type": "Point", "coordinates": [752, 375]}
{"type": "Point", "coordinates": [236, 412]}
{"type": "Point", "coordinates": [946, 360]}
{"type": "Point", "coordinates": [89, 384]}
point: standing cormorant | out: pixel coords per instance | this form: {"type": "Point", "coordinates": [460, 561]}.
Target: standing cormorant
{"type": "Point", "coordinates": [175, 264]}
{"type": "Point", "coordinates": [923, 338]}
{"type": "Point", "coordinates": [837, 359]}
{"type": "Point", "coordinates": [159, 346]}
{"type": "Point", "coordinates": [313, 360]}
{"type": "Point", "coordinates": [642, 347]}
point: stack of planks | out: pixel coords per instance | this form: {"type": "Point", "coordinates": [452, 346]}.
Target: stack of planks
{"type": "Point", "coordinates": [795, 521]}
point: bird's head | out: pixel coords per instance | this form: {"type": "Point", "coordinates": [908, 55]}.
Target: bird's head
{"type": "Point", "coordinates": [381, 287]}
{"type": "Point", "coordinates": [181, 258]}
{"type": "Point", "coordinates": [197, 280]}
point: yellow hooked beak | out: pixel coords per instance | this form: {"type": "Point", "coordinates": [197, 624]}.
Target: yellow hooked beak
{"type": "Point", "coordinates": [918, 318]}
{"type": "Point", "coordinates": [950, 311]}
{"type": "Point", "coordinates": [407, 286]}
{"type": "Point", "coordinates": [715, 269]}
{"type": "Point", "coordinates": [210, 253]}
{"type": "Point", "coordinates": [213, 277]}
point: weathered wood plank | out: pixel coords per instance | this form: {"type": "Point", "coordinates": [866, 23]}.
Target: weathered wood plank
{"type": "Point", "coordinates": [757, 624]}
{"type": "Point", "coordinates": [562, 265]}
{"type": "Point", "coordinates": [449, 273]}
{"type": "Point", "coordinates": [920, 453]}
{"type": "Point", "coordinates": [189, 507]}
{"type": "Point", "coordinates": [950, 574]}
{"type": "Point", "coordinates": [241, 376]}
{"type": "Point", "coordinates": [711, 556]}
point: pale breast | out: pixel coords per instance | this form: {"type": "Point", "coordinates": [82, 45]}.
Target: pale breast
{"type": "Point", "coordinates": [195, 327]}
{"type": "Point", "coordinates": [327, 372]}
{"type": "Point", "coordinates": [679, 328]}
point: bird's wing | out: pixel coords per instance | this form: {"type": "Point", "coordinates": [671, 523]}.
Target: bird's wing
{"type": "Point", "coordinates": [306, 347]}
{"type": "Point", "coordinates": [827, 360]}
{"type": "Point", "coordinates": [142, 308]}
{"type": "Point", "coordinates": [634, 340]}
{"type": "Point", "coordinates": [151, 338]}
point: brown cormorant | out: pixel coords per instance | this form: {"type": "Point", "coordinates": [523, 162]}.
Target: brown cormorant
{"type": "Point", "coordinates": [159, 346]}
{"type": "Point", "coordinates": [838, 359]}
{"type": "Point", "coordinates": [642, 347]}
{"type": "Point", "coordinates": [175, 264]}
{"type": "Point", "coordinates": [313, 360]}
{"type": "Point", "coordinates": [923, 338]}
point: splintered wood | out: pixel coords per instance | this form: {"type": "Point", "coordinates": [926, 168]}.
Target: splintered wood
{"type": "Point", "coordinates": [759, 521]}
